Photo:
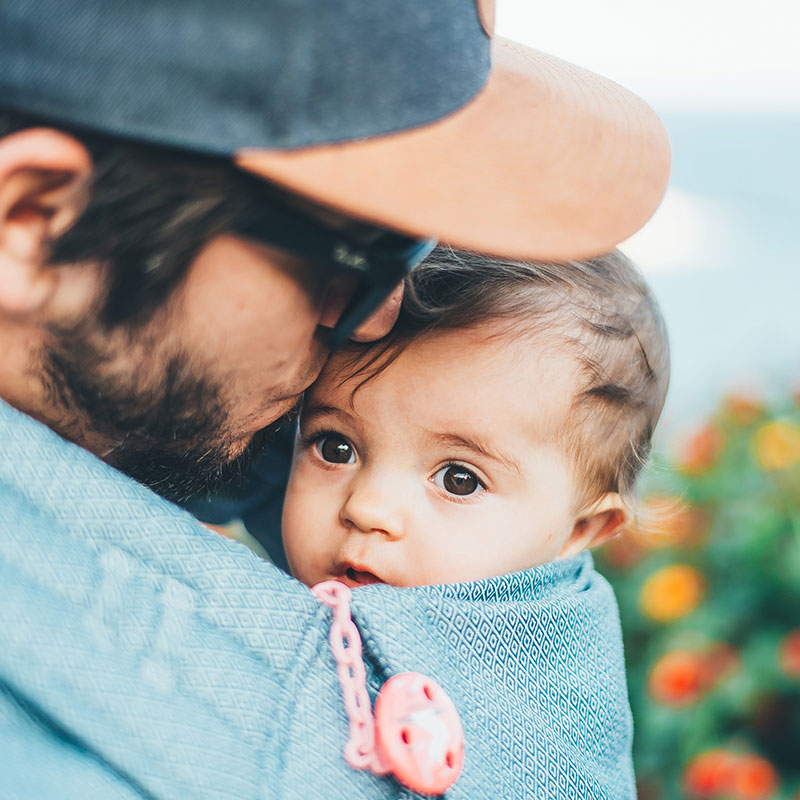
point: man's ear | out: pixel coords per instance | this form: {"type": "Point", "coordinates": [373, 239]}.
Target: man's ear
{"type": "Point", "coordinates": [43, 177]}
{"type": "Point", "coordinates": [598, 523]}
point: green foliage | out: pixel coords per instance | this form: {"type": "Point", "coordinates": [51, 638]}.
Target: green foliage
{"type": "Point", "coordinates": [709, 588]}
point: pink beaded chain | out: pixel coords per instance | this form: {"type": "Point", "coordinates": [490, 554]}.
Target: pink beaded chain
{"type": "Point", "coordinates": [416, 733]}
{"type": "Point", "coordinates": [360, 751]}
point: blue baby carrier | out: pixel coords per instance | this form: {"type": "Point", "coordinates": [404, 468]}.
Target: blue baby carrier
{"type": "Point", "coordinates": [142, 656]}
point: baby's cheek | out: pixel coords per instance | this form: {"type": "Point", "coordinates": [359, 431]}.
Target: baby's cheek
{"type": "Point", "coordinates": [296, 513]}
{"type": "Point", "coordinates": [302, 553]}
{"type": "Point", "coordinates": [304, 530]}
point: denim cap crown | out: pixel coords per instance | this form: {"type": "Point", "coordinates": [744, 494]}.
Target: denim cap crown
{"type": "Point", "coordinates": [214, 76]}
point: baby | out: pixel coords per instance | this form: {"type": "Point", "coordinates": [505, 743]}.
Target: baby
{"type": "Point", "coordinates": [501, 425]}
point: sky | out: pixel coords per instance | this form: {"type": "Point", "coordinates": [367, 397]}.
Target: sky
{"type": "Point", "coordinates": [711, 55]}
{"type": "Point", "coordinates": [723, 250]}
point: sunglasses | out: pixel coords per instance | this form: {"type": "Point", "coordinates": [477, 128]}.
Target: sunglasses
{"type": "Point", "coordinates": [378, 258]}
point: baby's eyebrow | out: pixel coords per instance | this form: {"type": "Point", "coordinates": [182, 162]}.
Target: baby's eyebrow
{"type": "Point", "coordinates": [318, 408]}
{"type": "Point", "coordinates": [474, 444]}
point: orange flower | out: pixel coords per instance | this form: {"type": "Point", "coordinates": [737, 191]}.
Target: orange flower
{"type": "Point", "coordinates": [754, 778]}
{"type": "Point", "coordinates": [721, 773]}
{"type": "Point", "coordinates": [709, 774]}
{"type": "Point", "coordinates": [679, 678]}
{"type": "Point", "coordinates": [742, 408]}
{"type": "Point", "coordinates": [701, 450]}
{"type": "Point", "coordinates": [777, 444]}
{"type": "Point", "coordinates": [789, 654]}
{"type": "Point", "coordinates": [672, 592]}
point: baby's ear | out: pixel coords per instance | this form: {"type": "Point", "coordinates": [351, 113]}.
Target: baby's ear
{"type": "Point", "coordinates": [598, 523]}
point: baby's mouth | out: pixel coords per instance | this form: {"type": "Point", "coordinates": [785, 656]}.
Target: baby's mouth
{"type": "Point", "coordinates": [353, 577]}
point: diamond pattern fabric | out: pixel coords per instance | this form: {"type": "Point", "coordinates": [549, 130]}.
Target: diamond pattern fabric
{"type": "Point", "coordinates": [143, 656]}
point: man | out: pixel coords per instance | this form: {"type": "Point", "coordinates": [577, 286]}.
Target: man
{"type": "Point", "coordinates": [196, 201]}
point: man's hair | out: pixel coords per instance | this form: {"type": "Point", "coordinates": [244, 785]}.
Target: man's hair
{"type": "Point", "coordinates": [150, 210]}
{"type": "Point", "coordinates": [600, 309]}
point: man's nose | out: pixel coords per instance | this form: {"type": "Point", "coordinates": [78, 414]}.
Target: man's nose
{"type": "Point", "coordinates": [377, 324]}
{"type": "Point", "coordinates": [375, 504]}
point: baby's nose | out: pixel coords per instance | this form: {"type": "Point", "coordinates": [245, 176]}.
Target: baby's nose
{"type": "Point", "coordinates": [376, 506]}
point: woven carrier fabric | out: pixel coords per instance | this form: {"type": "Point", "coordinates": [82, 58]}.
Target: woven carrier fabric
{"type": "Point", "coordinates": [143, 656]}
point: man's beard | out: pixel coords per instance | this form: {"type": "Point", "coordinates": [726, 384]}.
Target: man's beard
{"type": "Point", "coordinates": [171, 437]}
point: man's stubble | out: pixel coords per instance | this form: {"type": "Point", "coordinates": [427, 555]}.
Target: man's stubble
{"type": "Point", "coordinates": [147, 412]}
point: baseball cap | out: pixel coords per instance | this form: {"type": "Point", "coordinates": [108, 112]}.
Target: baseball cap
{"type": "Point", "coordinates": [409, 115]}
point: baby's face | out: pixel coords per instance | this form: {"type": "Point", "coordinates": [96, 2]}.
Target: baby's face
{"type": "Point", "coordinates": [442, 468]}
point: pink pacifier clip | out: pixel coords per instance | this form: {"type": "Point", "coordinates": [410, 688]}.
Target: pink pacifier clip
{"type": "Point", "coordinates": [416, 733]}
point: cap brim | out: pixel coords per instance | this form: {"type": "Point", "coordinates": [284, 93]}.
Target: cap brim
{"type": "Point", "coordinates": [547, 161]}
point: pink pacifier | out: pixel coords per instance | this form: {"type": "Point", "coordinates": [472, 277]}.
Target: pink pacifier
{"type": "Point", "coordinates": [416, 733]}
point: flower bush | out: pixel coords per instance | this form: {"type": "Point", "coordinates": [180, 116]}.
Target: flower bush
{"type": "Point", "coordinates": [708, 580]}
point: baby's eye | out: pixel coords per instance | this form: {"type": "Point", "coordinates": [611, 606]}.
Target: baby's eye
{"type": "Point", "coordinates": [458, 480]}
{"type": "Point", "coordinates": [335, 449]}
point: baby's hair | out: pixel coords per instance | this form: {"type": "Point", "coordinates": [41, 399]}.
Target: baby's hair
{"type": "Point", "coordinates": [600, 308]}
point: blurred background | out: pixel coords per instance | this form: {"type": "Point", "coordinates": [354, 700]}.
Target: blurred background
{"type": "Point", "coordinates": [709, 584]}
